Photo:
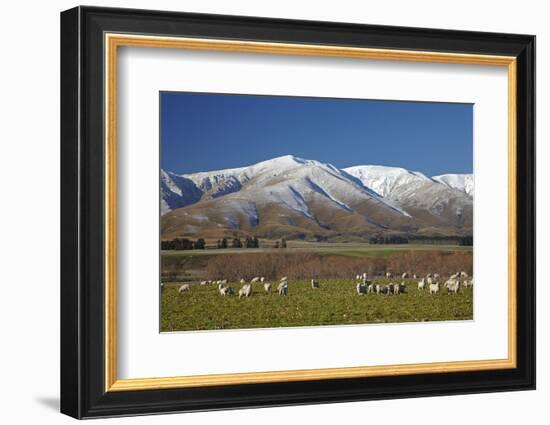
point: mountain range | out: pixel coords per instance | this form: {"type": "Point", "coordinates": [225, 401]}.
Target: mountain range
{"type": "Point", "coordinates": [299, 198]}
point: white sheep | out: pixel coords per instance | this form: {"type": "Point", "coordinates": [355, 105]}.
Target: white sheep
{"type": "Point", "coordinates": [405, 275]}
{"type": "Point", "coordinates": [184, 288]}
{"type": "Point", "coordinates": [421, 284]}
{"type": "Point", "coordinates": [399, 288]}
{"type": "Point", "coordinates": [224, 290]}
{"type": "Point", "coordinates": [262, 279]}
{"type": "Point", "coordinates": [463, 274]}
{"type": "Point", "coordinates": [267, 287]}
{"type": "Point", "coordinates": [357, 277]}
{"type": "Point", "coordinates": [414, 276]}
{"type": "Point", "coordinates": [203, 282]}
{"type": "Point", "coordinates": [242, 281]}
{"type": "Point", "coordinates": [255, 279]}
{"type": "Point", "coordinates": [246, 290]}
{"type": "Point", "coordinates": [315, 283]}
{"type": "Point", "coordinates": [434, 288]}
{"type": "Point", "coordinates": [452, 286]}
{"type": "Point", "coordinates": [429, 280]}
{"type": "Point", "coordinates": [388, 275]}
{"type": "Point", "coordinates": [436, 276]}
{"type": "Point", "coordinates": [283, 288]}
{"type": "Point", "coordinates": [223, 282]}
{"type": "Point", "coordinates": [283, 279]}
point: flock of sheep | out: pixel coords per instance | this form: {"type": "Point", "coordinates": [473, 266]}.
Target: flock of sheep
{"type": "Point", "coordinates": [432, 281]}
{"type": "Point", "coordinates": [364, 285]}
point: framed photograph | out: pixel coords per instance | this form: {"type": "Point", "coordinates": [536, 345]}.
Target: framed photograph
{"type": "Point", "coordinates": [261, 212]}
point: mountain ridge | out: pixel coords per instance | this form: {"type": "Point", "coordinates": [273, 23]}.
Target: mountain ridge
{"type": "Point", "coordinates": [311, 199]}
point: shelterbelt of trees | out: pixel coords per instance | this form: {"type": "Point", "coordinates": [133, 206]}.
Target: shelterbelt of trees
{"type": "Point", "coordinates": [186, 244]}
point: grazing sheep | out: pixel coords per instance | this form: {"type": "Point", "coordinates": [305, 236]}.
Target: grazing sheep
{"type": "Point", "coordinates": [388, 275]}
{"type": "Point", "coordinates": [267, 287]}
{"type": "Point", "coordinates": [283, 279]}
{"type": "Point", "coordinates": [246, 290]}
{"type": "Point", "coordinates": [223, 282]}
{"type": "Point", "coordinates": [421, 284]}
{"type": "Point", "coordinates": [283, 288]}
{"type": "Point", "coordinates": [452, 286]}
{"type": "Point", "coordinates": [224, 290]}
{"type": "Point", "coordinates": [184, 288]}
{"type": "Point", "coordinates": [434, 288]}
{"type": "Point", "coordinates": [361, 289]}
{"type": "Point", "coordinates": [399, 288]}
{"type": "Point", "coordinates": [315, 283]}
{"type": "Point", "coordinates": [405, 275]}
{"type": "Point", "coordinates": [203, 282]}
{"type": "Point", "coordinates": [255, 279]}
{"type": "Point", "coordinates": [383, 289]}
{"type": "Point", "coordinates": [210, 282]}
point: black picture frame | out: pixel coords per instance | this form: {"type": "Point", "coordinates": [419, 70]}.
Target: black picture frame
{"type": "Point", "coordinates": [82, 219]}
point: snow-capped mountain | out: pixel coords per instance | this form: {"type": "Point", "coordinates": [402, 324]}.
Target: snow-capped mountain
{"type": "Point", "coordinates": [462, 182]}
{"type": "Point", "coordinates": [295, 197]}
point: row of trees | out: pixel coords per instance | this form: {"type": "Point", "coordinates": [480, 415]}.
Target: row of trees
{"type": "Point", "coordinates": [185, 244]}
{"type": "Point", "coordinates": [443, 240]}
{"type": "Point", "coordinates": [182, 244]}
{"type": "Point", "coordinates": [237, 243]}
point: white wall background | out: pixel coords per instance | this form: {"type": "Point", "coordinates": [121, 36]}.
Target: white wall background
{"type": "Point", "coordinates": [29, 176]}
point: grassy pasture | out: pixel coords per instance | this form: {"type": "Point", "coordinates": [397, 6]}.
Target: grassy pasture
{"type": "Point", "coordinates": [334, 303]}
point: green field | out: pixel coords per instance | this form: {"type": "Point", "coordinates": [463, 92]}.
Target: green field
{"type": "Point", "coordinates": [334, 303]}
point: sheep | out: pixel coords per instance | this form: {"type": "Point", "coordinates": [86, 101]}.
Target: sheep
{"type": "Point", "coordinates": [434, 288]}
{"type": "Point", "coordinates": [203, 282]}
{"type": "Point", "coordinates": [430, 280]}
{"type": "Point", "coordinates": [246, 290]}
{"type": "Point", "coordinates": [256, 279]}
{"type": "Point", "coordinates": [267, 287]}
{"type": "Point", "coordinates": [262, 279]}
{"type": "Point", "coordinates": [361, 289]}
{"type": "Point", "coordinates": [463, 274]}
{"type": "Point", "coordinates": [242, 281]}
{"type": "Point", "coordinates": [399, 288]}
{"type": "Point", "coordinates": [225, 290]}
{"type": "Point", "coordinates": [452, 286]}
{"type": "Point", "coordinates": [223, 282]}
{"type": "Point", "coordinates": [283, 288]}
{"type": "Point", "coordinates": [386, 289]}
{"type": "Point", "coordinates": [365, 276]}
{"type": "Point", "coordinates": [357, 277]}
{"type": "Point", "coordinates": [405, 275]}
{"type": "Point", "coordinates": [414, 276]}
{"type": "Point", "coordinates": [283, 279]}
{"type": "Point", "coordinates": [388, 275]}
{"type": "Point", "coordinates": [184, 288]}
{"type": "Point", "coordinates": [370, 288]}
{"type": "Point", "coordinates": [421, 284]}
{"type": "Point", "coordinates": [436, 276]}
{"type": "Point", "coordinates": [315, 283]}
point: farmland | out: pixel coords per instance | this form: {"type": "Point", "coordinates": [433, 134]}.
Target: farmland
{"type": "Point", "coordinates": [335, 302]}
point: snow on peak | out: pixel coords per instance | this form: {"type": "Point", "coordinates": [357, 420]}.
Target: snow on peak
{"type": "Point", "coordinates": [385, 180]}
{"type": "Point", "coordinates": [462, 182]}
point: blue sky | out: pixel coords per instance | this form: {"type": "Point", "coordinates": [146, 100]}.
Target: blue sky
{"type": "Point", "coordinates": [203, 132]}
